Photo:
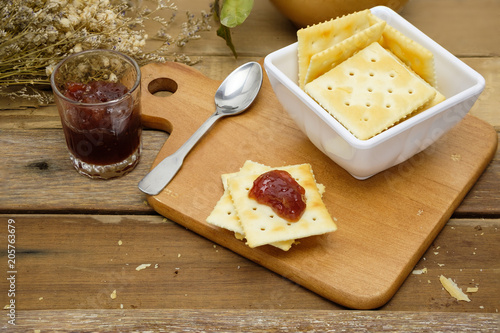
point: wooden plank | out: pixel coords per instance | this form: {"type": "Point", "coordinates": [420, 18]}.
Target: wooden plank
{"type": "Point", "coordinates": [218, 67]}
{"type": "Point", "coordinates": [40, 156]}
{"type": "Point", "coordinates": [35, 157]}
{"type": "Point", "coordinates": [465, 28]}
{"type": "Point", "coordinates": [486, 107]}
{"type": "Point", "coordinates": [483, 199]}
{"type": "Point", "coordinates": [260, 321]}
{"type": "Point", "coordinates": [76, 262]}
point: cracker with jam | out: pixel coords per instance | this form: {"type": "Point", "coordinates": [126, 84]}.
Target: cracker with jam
{"type": "Point", "coordinates": [261, 222]}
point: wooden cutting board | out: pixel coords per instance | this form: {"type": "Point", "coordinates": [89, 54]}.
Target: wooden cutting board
{"type": "Point", "coordinates": [385, 223]}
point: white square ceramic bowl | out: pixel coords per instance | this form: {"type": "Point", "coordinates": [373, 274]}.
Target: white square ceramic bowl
{"type": "Point", "coordinates": [364, 158]}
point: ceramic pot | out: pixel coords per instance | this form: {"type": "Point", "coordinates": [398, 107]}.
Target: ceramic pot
{"type": "Point", "coordinates": [307, 12]}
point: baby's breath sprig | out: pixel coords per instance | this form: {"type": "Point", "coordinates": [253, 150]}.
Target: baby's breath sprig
{"type": "Point", "coordinates": [36, 34]}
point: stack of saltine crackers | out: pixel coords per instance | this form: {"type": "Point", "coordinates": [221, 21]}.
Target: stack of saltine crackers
{"type": "Point", "coordinates": [365, 73]}
{"type": "Point", "coordinates": [258, 223]}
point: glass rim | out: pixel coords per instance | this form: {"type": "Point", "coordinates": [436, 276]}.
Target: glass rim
{"type": "Point", "coordinates": [101, 104]}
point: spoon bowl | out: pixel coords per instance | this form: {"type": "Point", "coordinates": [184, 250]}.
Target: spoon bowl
{"type": "Point", "coordinates": [235, 94]}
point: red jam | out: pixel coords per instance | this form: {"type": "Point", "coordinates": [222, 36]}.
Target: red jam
{"type": "Point", "coordinates": [101, 135]}
{"type": "Point", "coordinates": [94, 92]}
{"type": "Point", "coordinates": [278, 190]}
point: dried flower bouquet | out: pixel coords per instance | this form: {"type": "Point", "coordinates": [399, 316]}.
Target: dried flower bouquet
{"type": "Point", "coordinates": [36, 34]}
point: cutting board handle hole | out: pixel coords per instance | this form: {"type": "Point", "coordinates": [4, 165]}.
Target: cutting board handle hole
{"type": "Point", "coordinates": [162, 87]}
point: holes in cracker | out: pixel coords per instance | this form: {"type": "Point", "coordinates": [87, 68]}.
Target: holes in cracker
{"type": "Point", "coordinates": [369, 89]}
{"type": "Point", "coordinates": [262, 229]}
{"type": "Point", "coordinates": [271, 216]}
{"type": "Point", "coordinates": [254, 208]}
{"type": "Point", "coordinates": [390, 91]}
{"type": "Point", "coordinates": [351, 73]}
{"type": "Point", "coordinates": [410, 91]}
{"type": "Point", "coordinates": [392, 75]}
{"type": "Point", "coordinates": [329, 88]}
{"type": "Point", "coordinates": [347, 103]}
{"type": "Point", "coordinates": [388, 106]}
{"type": "Point", "coordinates": [368, 104]}
{"type": "Point", "coordinates": [371, 74]}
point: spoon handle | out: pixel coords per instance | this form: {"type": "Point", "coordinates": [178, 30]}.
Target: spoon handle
{"type": "Point", "coordinates": [154, 182]}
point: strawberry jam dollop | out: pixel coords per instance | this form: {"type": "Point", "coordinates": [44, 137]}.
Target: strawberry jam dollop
{"type": "Point", "coordinates": [280, 191]}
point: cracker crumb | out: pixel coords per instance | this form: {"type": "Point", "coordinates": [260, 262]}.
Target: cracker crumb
{"type": "Point", "coordinates": [178, 255]}
{"type": "Point", "coordinates": [156, 265]}
{"type": "Point", "coordinates": [113, 294]}
{"type": "Point", "coordinates": [456, 157]}
{"type": "Point", "coordinates": [452, 288]}
{"type": "Point", "coordinates": [142, 266]}
{"type": "Point", "coordinates": [40, 298]}
{"type": "Point", "coordinates": [440, 265]}
{"type": "Point", "coordinates": [472, 289]}
{"type": "Point", "coordinates": [120, 242]}
{"type": "Point", "coordinates": [121, 306]}
{"type": "Point", "coordinates": [420, 212]}
{"type": "Point", "coordinates": [419, 271]}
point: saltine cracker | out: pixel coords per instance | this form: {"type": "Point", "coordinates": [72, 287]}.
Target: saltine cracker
{"type": "Point", "coordinates": [263, 226]}
{"type": "Point", "coordinates": [414, 55]}
{"type": "Point", "coordinates": [224, 215]}
{"type": "Point", "coordinates": [325, 60]}
{"type": "Point", "coordinates": [370, 91]}
{"type": "Point", "coordinates": [316, 38]}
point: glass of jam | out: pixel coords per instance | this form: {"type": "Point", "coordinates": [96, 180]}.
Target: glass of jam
{"type": "Point", "coordinates": [97, 93]}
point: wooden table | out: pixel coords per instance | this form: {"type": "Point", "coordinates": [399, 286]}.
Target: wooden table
{"type": "Point", "coordinates": [79, 242]}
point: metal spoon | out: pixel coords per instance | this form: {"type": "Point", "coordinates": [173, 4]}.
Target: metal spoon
{"type": "Point", "coordinates": [234, 96]}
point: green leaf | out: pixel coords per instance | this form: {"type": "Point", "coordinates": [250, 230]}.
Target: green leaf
{"type": "Point", "coordinates": [225, 33]}
{"type": "Point", "coordinates": [235, 12]}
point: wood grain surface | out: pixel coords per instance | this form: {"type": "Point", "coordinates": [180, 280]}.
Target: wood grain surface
{"type": "Point", "coordinates": [385, 223]}
{"type": "Point", "coordinates": [69, 226]}
{"type": "Point", "coordinates": [260, 321]}
{"type": "Point", "coordinates": [76, 261]}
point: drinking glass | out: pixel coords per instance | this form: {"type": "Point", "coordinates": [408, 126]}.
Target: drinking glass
{"type": "Point", "coordinates": [97, 93]}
